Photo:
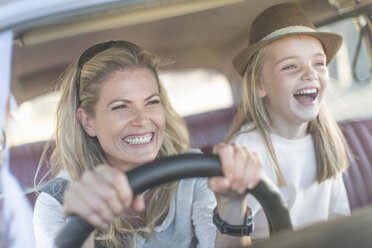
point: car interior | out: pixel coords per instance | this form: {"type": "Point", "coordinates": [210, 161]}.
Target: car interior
{"type": "Point", "coordinates": [194, 36]}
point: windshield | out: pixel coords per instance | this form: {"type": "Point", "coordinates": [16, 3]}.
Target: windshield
{"type": "Point", "coordinates": [197, 40]}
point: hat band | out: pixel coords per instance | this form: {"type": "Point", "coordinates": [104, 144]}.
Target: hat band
{"type": "Point", "coordinates": [288, 30]}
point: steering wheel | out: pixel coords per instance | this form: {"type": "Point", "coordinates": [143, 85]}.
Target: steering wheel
{"type": "Point", "coordinates": [177, 167]}
{"type": "Point", "coordinates": [345, 232]}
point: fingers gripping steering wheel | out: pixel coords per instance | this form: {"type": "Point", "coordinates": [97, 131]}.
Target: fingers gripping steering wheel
{"type": "Point", "coordinates": [177, 167]}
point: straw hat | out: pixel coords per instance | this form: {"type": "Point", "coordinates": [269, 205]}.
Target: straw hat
{"type": "Point", "coordinates": [280, 21]}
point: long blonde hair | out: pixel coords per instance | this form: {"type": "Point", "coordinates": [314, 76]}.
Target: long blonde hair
{"type": "Point", "coordinates": [76, 152]}
{"type": "Point", "coordinates": [329, 142]}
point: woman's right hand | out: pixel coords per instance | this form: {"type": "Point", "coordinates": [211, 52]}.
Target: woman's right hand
{"type": "Point", "coordinates": [101, 195]}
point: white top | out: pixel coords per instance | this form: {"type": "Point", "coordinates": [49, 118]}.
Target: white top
{"type": "Point", "coordinates": [308, 201]}
{"type": "Point", "coordinates": [187, 224]}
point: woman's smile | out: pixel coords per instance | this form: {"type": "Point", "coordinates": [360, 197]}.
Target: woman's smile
{"type": "Point", "coordinates": [139, 139]}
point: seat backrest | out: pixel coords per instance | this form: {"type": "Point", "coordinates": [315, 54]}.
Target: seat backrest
{"type": "Point", "coordinates": [358, 178]}
{"type": "Point", "coordinates": [209, 128]}
{"type": "Point", "coordinates": [24, 160]}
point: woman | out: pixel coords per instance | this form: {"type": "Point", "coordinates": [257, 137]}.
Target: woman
{"type": "Point", "coordinates": [113, 116]}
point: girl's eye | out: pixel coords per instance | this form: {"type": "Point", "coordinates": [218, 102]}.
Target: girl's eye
{"type": "Point", "coordinates": [119, 107]}
{"type": "Point", "coordinates": [288, 67]}
{"type": "Point", "coordinates": [320, 64]}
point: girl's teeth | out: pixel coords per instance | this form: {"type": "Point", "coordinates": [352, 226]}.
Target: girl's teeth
{"type": "Point", "coordinates": [307, 91]}
{"type": "Point", "coordinates": [306, 96]}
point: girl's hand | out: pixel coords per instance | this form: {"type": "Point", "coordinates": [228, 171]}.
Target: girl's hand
{"type": "Point", "coordinates": [101, 195]}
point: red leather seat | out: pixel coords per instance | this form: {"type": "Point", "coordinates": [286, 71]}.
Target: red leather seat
{"type": "Point", "coordinates": [209, 128]}
{"type": "Point", "coordinates": [358, 179]}
{"type": "Point", "coordinates": [24, 160]}
{"type": "Point", "coordinates": [212, 127]}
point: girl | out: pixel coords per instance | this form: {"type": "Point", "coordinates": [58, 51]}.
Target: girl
{"type": "Point", "coordinates": [283, 119]}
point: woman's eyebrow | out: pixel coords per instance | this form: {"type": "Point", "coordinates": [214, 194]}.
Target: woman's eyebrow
{"type": "Point", "coordinates": [151, 96]}
{"type": "Point", "coordinates": [128, 101]}
{"type": "Point", "coordinates": [118, 100]}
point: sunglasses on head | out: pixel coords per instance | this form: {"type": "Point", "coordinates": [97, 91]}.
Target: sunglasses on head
{"type": "Point", "coordinates": [96, 49]}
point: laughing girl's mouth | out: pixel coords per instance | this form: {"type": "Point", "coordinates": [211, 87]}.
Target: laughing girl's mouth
{"type": "Point", "coordinates": [137, 140]}
{"type": "Point", "coordinates": [306, 95]}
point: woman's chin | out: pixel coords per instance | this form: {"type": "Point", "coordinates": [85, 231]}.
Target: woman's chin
{"type": "Point", "coordinates": [141, 159]}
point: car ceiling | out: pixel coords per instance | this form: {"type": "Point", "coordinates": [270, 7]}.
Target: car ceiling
{"type": "Point", "coordinates": [190, 33]}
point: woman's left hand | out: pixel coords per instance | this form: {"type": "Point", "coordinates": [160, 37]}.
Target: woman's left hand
{"type": "Point", "coordinates": [241, 169]}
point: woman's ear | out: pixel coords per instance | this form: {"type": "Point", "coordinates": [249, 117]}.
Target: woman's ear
{"type": "Point", "coordinates": [261, 89]}
{"type": "Point", "coordinates": [86, 122]}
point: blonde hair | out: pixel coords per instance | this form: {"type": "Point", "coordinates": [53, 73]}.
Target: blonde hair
{"type": "Point", "coordinates": [329, 142]}
{"type": "Point", "coordinates": [76, 152]}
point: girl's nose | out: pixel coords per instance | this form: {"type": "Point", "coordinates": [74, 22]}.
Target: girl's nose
{"type": "Point", "coordinates": [310, 74]}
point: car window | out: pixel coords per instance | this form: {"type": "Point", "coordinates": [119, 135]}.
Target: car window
{"type": "Point", "coordinates": [197, 90]}
{"type": "Point", "coordinates": [200, 35]}
{"type": "Point", "coordinates": [350, 71]}
{"type": "Point", "coordinates": [190, 91]}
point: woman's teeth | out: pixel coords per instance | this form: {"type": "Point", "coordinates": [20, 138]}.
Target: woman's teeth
{"type": "Point", "coordinates": [138, 140]}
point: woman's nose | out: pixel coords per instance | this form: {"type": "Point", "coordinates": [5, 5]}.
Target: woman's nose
{"type": "Point", "coordinates": [139, 117]}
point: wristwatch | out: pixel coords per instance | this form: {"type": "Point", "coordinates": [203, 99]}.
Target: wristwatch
{"type": "Point", "coordinates": [226, 228]}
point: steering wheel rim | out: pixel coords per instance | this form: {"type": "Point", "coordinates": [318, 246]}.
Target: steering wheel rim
{"type": "Point", "coordinates": [164, 170]}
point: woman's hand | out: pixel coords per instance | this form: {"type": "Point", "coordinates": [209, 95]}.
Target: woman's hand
{"type": "Point", "coordinates": [101, 195]}
{"type": "Point", "coordinates": [240, 167]}
{"type": "Point", "coordinates": [242, 170]}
